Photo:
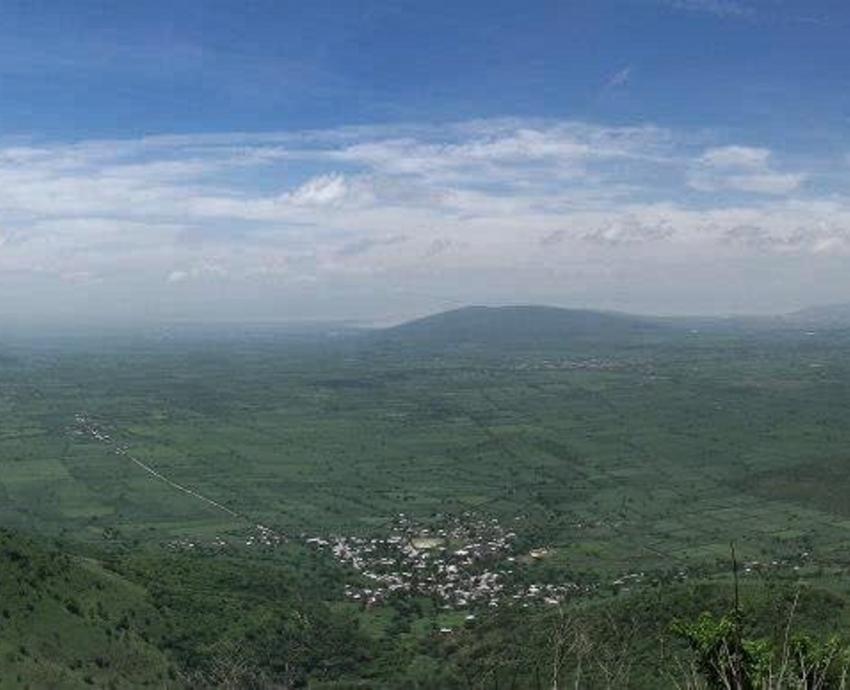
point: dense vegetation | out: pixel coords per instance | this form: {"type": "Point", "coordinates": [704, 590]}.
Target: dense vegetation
{"type": "Point", "coordinates": [224, 512]}
{"type": "Point", "coordinates": [204, 620]}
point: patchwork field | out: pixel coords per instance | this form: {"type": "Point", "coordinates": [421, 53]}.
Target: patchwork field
{"type": "Point", "coordinates": [651, 453]}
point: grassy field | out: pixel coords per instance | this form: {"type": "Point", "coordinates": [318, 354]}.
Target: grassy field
{"type": "Point", "coordinates": [626, 457]}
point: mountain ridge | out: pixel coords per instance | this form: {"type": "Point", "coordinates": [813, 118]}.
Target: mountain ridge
{"type": "Point", "coordinates": [519, 325]}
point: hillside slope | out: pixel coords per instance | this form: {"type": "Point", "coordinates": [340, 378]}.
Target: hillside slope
{"type": "Point", "coordinates": [822, 316]}
{"type": "Point", "coordinates": [167, 620]}
{"type": "Point", "coordinates": [66, 622]}
{"type": "Point", "coordinates": [517, 326]}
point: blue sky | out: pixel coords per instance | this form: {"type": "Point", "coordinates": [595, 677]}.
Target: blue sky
{"type": "Point", "coordinates": [72, 69]}
{"type": "Point", "coordinates": [273, 159]}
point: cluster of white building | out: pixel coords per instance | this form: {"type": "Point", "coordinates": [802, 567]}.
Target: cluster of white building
{"type": "Point", "coordinates": [264, 536]}
{"type": "Point", "coordinates": [464, 562]}
{"type": "Point", "coordinates": [801, 560]}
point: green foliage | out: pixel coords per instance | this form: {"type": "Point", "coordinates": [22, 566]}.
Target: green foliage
{"type": "Point", "coordinates": [724, 657]}
{"type": "Point", "coordinates": [60, 621]}
{"type": "Point", "coordinates": [728, 660]}
{"type": "Point", "coordinates": [820, 664]}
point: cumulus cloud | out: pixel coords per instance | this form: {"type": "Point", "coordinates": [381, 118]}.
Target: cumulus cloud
{"type": "Point", "coordinates": [761, 238]}
{"type": "Point", "coordinates": [735, 157]}
{"type": "Point", "coordinates": [630, 230]}
{"type": "Point", "coordinates": [741, 168]}
{"type": "Point", "coordinates": [311, 210]}
{"type": "Point", "coordinates": [321, 191]}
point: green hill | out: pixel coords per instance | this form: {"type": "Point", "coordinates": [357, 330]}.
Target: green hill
{"type": "Point", "coordinates": [167, 620]}
{"type": "Point", "coordinates": [66, 622]}
{"type": "Point", "coordinates": [520, 326]}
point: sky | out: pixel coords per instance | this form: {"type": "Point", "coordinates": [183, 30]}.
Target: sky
{"type": "Point", "coordinates": [374, 160]}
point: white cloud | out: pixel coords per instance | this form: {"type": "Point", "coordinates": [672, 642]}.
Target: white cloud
{"type": "Point", "coordinates": [630, 230]}
{"type": "Point", "coordinates": [741, 168]}
{"type": "Point", "coordinates": [746, 157]}
{"type": "Point", "coordinates": [721, 8]}
{"type": "Point", "coordinates": [321, 191]}
{"type": "Point", "coordinates": [312, 210]}
{"type": "Point", "coordinates": [766, 183]}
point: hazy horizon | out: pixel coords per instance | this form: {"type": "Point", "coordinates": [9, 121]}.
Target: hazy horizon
{"type": "Point", "coordinates": [83, 327]}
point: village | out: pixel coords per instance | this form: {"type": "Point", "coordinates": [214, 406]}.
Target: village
{"type": "Point", "coordinates": [465, 562]}
{"type": "Point", "coordinates": [462, 562]}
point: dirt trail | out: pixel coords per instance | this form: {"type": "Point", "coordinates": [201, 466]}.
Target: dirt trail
{"type": "Point", "coordinates": [104, 438]}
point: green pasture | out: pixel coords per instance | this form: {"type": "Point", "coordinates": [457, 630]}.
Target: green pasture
{"type": "Point", "coordinates": [679, 446]}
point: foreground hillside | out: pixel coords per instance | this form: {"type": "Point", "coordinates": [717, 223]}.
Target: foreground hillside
{"type": "Point", "coordinates": [203, 620]}
{"type": "Point", "coordinates": [66, 622]}
{"type": "Point", "coordinates": [163, 620]}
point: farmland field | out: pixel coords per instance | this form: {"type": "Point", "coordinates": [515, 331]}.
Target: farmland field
{"type": "Point", "coordinates": [651, 453]}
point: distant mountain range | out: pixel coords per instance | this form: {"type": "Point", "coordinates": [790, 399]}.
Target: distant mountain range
{"type": "Point", "coordinates": [837, 315]}
{"type": "Point", "coordinates": [519, 325]}
{"type": "Point", "coordinates": [514, 326]}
